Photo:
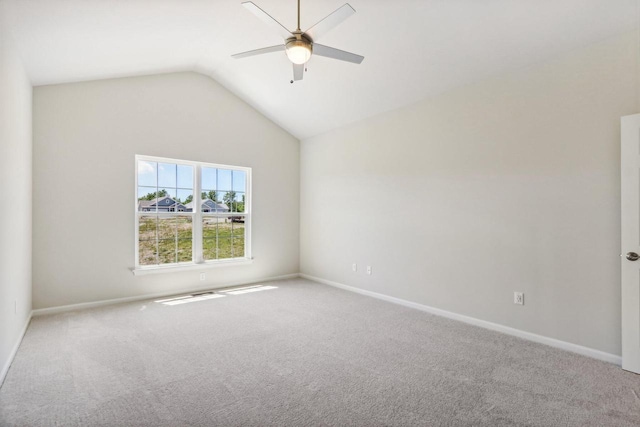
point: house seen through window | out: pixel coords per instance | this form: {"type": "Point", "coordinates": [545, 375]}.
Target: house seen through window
{"type": "Point", "coordinates": [190, 212]}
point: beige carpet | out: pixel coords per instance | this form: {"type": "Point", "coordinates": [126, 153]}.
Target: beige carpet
{"type": "Point", "coordinates": [299, 354]}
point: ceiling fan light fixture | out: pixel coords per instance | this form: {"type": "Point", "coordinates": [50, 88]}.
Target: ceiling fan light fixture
{"type": "Point", "coordinates": [299, 51]}
{"type": "Point", "coordinates": [300, 45]}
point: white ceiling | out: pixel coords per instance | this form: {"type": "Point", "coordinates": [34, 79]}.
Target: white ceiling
{"type": "Point", "coordinates": [413, 48]}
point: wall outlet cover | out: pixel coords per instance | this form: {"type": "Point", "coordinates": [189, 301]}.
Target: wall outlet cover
{"type": "Point", "coordinates": [518, 298]}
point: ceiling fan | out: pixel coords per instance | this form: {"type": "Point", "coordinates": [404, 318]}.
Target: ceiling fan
{"type": "Point", "coordinates": [300, 45]}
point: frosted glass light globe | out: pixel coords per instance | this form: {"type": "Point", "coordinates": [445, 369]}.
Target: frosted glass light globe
{"type": "Point", "coordinates": [298, 51]}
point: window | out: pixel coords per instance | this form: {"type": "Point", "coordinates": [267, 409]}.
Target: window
{"type": "Point", "coordinates": [191, 213]}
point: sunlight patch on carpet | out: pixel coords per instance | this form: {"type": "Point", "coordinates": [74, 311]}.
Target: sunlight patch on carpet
{"type": "Point", "coordinates": [248, 289]}
{"type": "Point", "coordinates": [189, 298]}
{"type": "Point", "coordinates": [204, 296]}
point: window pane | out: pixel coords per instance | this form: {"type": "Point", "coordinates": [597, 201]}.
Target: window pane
{"type": "Point", "coordinates": [223, 238]}
{"type": "Point", "coordinates": [166, 200]}
{"type": "Point", "coordinates": [185, 250]}
{"type": "Point", "coordinates": [167, 228]}
{"type": "Point", "coordinates": [185, 239]}
{"type": "Point", "coordinates": [209, 227]}
{"type": "Point", "coordinates": [222, 205]}
{"type": "Point", "coordinates": [165, 240]}
{"type": "Point", "coordinates": [238, 247]}
{"type": "Point", "coordinates": [147, 173]}
{"type": "Point", "coordinates": [207, 205]}
{"type": "Point", "coordinates": [185, 176]}
{"type": "Point", "coordinates": [238, 203]}
{"type": "Point", "coordinates": [147, 227]}
{"type": "Point", "coordinates": [209, 251]}
{"type": "Point", "coordinates": [229, 201]}
{"type": "Point", "coordinates": [239, 180]}
{"type": "Point", "coordinates": [184, 225]}
{"type": "Point", "coordinates": [184, 199]}
{"type": "Point", "coordinates": [212, 195]}
{"type": "Point", "coordinates": [224, 248]}
{"type": "Point", "coordinates": [147, 243]}
{"type": "Point", "coordinates": [167, 175]}
{"type": "Point", "coordinates": [237, 226]}
{"type": "Point", "coordinates": [224, 180]}
{"type": "Point", "coordinates": [209, 179]}
{"type": "Point", "coordinates": [238, 229]}
{"type": "Point", "coordinates": [224, 227]}
{"type": "Point", "coordinates": [167, 251]}
{"type": "Point", "coordinates": [147, 254]}
{"type": "Point", "coordinates": [146, 199]}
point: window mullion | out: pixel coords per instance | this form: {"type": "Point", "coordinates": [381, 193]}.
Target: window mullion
{"type": "Point", "coordinates": [247, 219]}
{"type": "Point", "coordinates": [137, 218]}
{"type": "Point", "coordinates": [197, 215]}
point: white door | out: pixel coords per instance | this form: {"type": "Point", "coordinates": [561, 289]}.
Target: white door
{"type": "Point", "coordinates": [630, 251]}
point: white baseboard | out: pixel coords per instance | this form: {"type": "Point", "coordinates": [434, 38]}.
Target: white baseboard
{"type": "Point", "coordinates": [575, 348]}
{"type": "Point", "coordinates": [14, 350]}
{"type": "Point", "coordinates": [83, 305]}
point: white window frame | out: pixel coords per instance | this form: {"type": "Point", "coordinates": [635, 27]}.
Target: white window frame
{"type": "Point", "coordinates": [198, 262]}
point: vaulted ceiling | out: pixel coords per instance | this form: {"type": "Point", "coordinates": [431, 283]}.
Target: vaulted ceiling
{"type": "Point", "coordinates": [413, 48]}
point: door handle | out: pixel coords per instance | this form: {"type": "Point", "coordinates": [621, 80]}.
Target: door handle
{"type": "Point", "coordinates": [632, 256]}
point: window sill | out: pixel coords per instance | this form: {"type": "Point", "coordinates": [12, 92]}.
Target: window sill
{"type": "Point", "coordinates": [143, 271]}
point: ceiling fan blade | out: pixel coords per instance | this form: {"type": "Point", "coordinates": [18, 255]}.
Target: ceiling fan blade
{"type": "Point", "coordinates": [330, 21]}
{"type": "Point", "coordinates": [268, 19]}
{"type": "Point", "coordinates": [330, 52]}
{"type": "Point", "coordinates": [298, 71]}
{"type": "Point", "coordinates": [255, 52]}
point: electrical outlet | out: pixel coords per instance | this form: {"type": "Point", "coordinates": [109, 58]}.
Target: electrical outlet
{"type": "Point", "coordinates": [354, 266]}
{"type": "Point", "coordinates": [203, 276]}
{"type": "Point", "coordinates": [368, 269]}
{"type": "Point", "coordinates": [518, 298]}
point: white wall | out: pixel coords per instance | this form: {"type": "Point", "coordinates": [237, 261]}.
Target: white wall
{"type": "Point", "coordinates": [85, 139]}
{"type": "Point", "coordinates": [511, 184]}
{"type": "Point", "coordinates": [15, 190]}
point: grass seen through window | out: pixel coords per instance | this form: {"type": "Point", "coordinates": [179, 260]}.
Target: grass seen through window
{"type": "Point", "coordinates": [169, 240]}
